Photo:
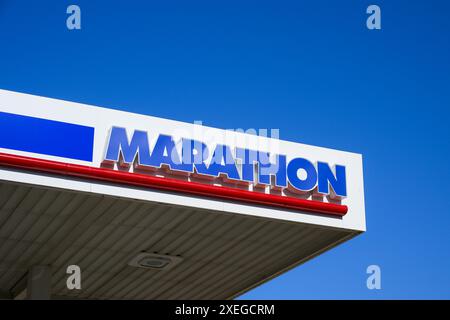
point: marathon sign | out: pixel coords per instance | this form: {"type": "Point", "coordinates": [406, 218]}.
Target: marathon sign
{"type": "Point", "coordinates": [129, 155]}
{"type": "Point", "coordinates": [240, 165]}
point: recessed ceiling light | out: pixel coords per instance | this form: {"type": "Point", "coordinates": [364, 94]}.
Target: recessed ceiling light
{"type": "Point", "coordinates": [154, 261]}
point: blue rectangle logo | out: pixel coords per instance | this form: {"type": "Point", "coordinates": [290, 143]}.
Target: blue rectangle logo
{"type": "Point", "coordinates": [54, 138]}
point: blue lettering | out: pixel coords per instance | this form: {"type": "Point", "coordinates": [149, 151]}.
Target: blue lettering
{"type": "Point", "coordinates": [300, 173]}
{"type": "Point", "coordinates": [309, 182]}
{"type": "Point", "coordinates": [223, 162]}
{"type": "Point", "coordinates": [266, 169]}
{"type": "Point", "coordinates": [118, 144]}
{"type": "Point", "coordinates": [249, 158]}
{"type": "Point", "coordinates": [165, 152]}
{"type": "Point", "coordinates": [195, 152]}
{"type": "Point", "coordinates": [327, 178]}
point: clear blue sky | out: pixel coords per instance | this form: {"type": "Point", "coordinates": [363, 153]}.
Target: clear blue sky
{"type": "Point", "coordinates": [311, 69]}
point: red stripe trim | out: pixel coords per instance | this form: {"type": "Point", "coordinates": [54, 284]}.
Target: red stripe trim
{"type": "Point", "coordinates": [195, 188]}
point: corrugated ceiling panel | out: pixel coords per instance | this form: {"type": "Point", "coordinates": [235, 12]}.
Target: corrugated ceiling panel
{"type": "Point", "coordinates": [196, 249]}
{"type": "Point", "coordinates": [222, 253]}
